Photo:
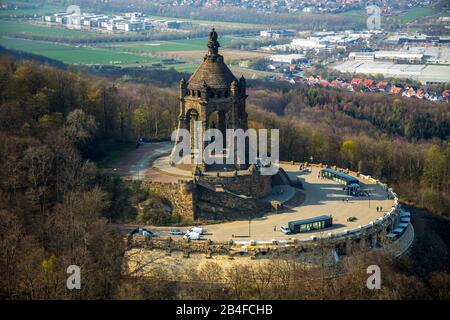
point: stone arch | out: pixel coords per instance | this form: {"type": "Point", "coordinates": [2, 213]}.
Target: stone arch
{"type": "Point", "coordinates": [191, 116]}
{"type": "Point", "coordinates": [213, 119]}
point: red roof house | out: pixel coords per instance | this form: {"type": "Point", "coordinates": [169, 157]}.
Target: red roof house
{"type": "Point", "coordinates": [410, 92]}
{"type": "Point", "coordinates": [446, 94]}
{"type": "Point", "coordinates": [368, 82]}
{"type": "Point", "coordinates": [420, 93]}
{"type": "Point", "coordinates": [395, 90]}
{"type": "Point", "coordinates": [382, 84]}
{"type": "Point", "coordinates": [357, 81]}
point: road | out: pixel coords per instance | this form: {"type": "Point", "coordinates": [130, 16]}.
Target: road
{"type": "Point", "coordinates": [136, 165]}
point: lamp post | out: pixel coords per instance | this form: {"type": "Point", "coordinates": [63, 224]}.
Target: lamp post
{"type": "Point", "coordinates": [249, 224]}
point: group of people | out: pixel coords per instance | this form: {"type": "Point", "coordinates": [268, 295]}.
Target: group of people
{"type": "Point", "coordinates": [379, 209]}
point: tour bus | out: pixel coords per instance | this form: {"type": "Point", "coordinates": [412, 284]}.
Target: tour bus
{"type": "Point", "coordinates": [338, 176]}
{"type": "Point", "coordinates": [351, 183]}
{"type": "Point", "coordinates": [316, 223]}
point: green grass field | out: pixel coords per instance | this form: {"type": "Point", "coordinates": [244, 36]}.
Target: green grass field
{"type": "Point", "coordinates": [87, 55]}
{"type": "Point", "coordinates": [39, 10]}
{"type": "Point", "coordinates": [356, 16]}
{"type": "Point", "coordinates": [74, 55]}
{"type": "Point", "coordinates": [213, 23]}
{"type": "Point", "coordinates": [187, 67]}
{"type": "Point", "coordinates": [167, 46]}
{"type": "Point", "coordinates": [16, 27]}
{"type": "Point", "coordinates": [414, 13]}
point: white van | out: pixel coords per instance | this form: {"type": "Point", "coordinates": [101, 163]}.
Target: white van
{"type": "Point", "coordinates": [196, 230]}
{"type": "Point", "coordinates": [192, 236]}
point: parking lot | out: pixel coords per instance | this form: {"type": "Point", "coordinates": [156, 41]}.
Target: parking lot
{"type": "Point", "coordinates": [322, 197]}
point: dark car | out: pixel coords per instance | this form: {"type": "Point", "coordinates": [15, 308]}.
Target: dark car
{"type": "Point", "coordinates": [143, 232]}
{"type": "Point", "coordinates": [176, 232]}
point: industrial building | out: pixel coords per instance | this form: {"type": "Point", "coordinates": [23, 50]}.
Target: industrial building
{"type": "Point", "coordinates": [432, 54]}
{"type": "Point", "coordinates": [387, 55]}
{"type": "Point", "coordinates": [426, 74]}
{"type": "Point", "coordinates": [130, 22]}
{"type": "Point", "coordinates": [287, 58]}
{"type": "Point", "coordinates": [276, 34]}
{"type": "Point", "coordinates": [429, 54]}
{"type": "Point", "coordinates": [416, 38]}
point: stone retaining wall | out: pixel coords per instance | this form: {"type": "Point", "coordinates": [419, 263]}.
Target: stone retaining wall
{"type": "Point", "coordinates": [255, 185]}
{"type": "Point", "coordinates": [225, 206]}
{"type": "Point", "coordinates": [181, 195]}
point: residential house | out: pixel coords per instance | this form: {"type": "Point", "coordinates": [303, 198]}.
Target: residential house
{"type": "Point", "coordinates": [368, 83]}
{"type": "Point", "coordinates": [396, 90]}
{"type": "Point", "coordinates": [409, 92]}
{"type": "Point", "coordinates": [420, 93]}
{"type": "Point", "coordinates": [356, 81]}
{"type": "Point", "coordinates": [446, 95]}
{"type": "Point", "coordinates": [383, 85]}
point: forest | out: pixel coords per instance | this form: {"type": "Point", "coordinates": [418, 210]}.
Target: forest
{"type": "Point", "coordinates": [403, 142]}
{"type": "Point", "coordinates": [57, 209]}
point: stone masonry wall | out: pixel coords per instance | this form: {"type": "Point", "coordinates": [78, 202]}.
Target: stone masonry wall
{"type": "Point", "coordinates": [224, 206]}
{"type": "Point", "coordinates": [255, 185]}
{"type": "Point", "coordinates": [181, 195]}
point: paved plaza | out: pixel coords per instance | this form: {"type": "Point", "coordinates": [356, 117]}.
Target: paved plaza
{"type": "Point", "coordinates": [319, 197]}
{"type": "Point", "coordinates": [322, 197]}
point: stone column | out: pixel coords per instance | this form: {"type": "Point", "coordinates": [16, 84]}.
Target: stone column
{"type": "Point", "coordinates": [192, 132]}
{"type": "Point", "coordinates": [203, 128]}
{"type": "Point", "coordinates": [222, 125]}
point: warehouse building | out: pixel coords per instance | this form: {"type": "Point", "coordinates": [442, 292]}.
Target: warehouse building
{"type": "Point", "coordinates": [287, 58]}
{"type": "Point", "coordinates": [426, 74]}
{"type": "Point", "coordinates": [387, 55]}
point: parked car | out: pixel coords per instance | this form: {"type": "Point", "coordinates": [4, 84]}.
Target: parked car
{"type": "Point", "coordinates": [143, 232]}
{"type": "Point", "coordinates": [176, 232]}
{"type": "Point", "coordinates": [197, 230]}
{"type": "Point", "coordinates": [148, 234]}
{"type": "Point", "coordinates": [192, 236]}
{"type": "Point", "coordinates": [285, 230]}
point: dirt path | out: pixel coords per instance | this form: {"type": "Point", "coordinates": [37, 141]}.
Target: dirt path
{"type": "Point", "coordinates": [136, 164]}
